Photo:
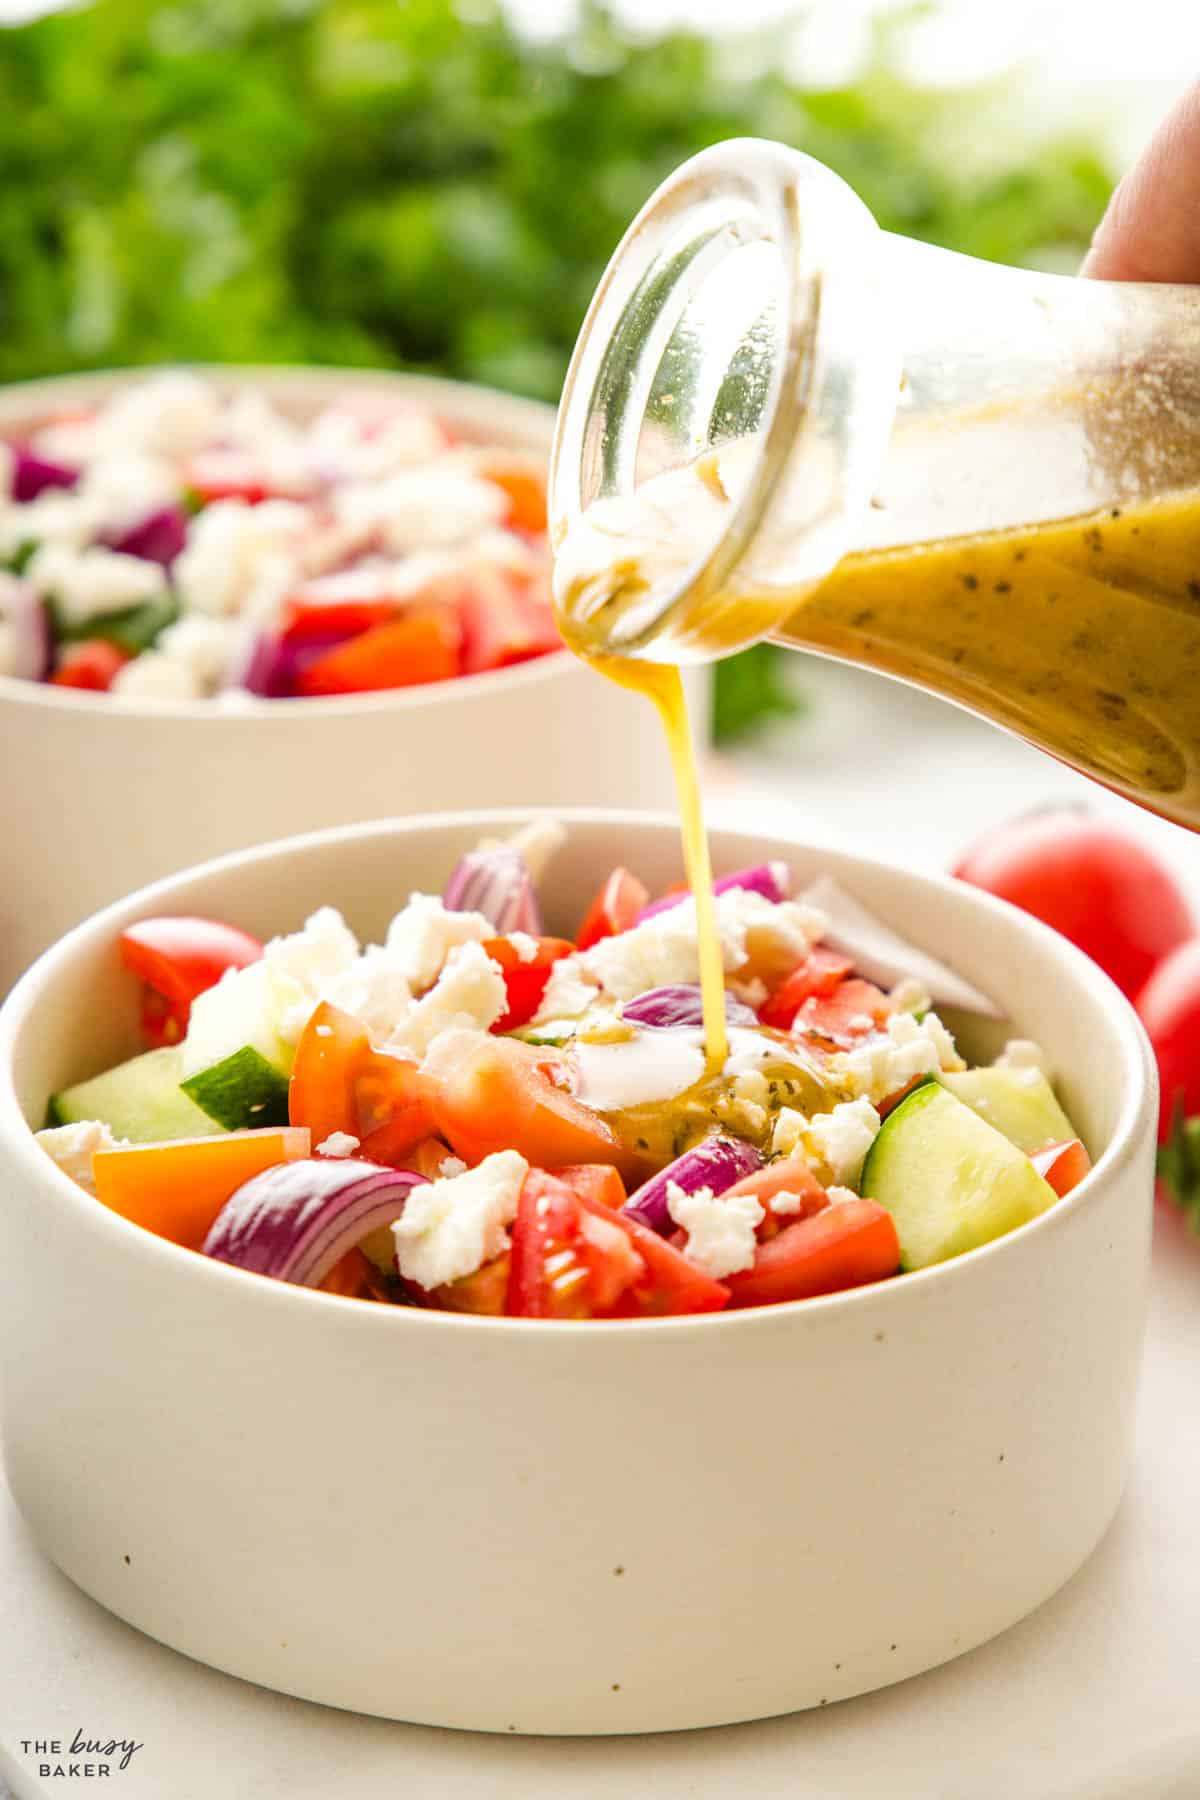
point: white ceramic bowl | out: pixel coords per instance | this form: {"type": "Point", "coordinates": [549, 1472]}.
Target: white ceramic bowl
{"type": "Point", "coordinates": [532, 1527]}
{"type": "Point", "coordinates": [100, 795]}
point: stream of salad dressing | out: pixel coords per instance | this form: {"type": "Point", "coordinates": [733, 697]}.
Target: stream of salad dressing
{"type": "Point", "coordinates": [662, 684]}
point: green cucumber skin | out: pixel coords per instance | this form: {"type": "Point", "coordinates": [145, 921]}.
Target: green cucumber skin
{"type": "Point", "coordinates": [242, 1091]}
{"type": "Point", "coordinates": [140, 1100]}
{"type": "Point", "coordinates": [133, 629]}
{"type": "Point", "coordinates": [951, 1181]}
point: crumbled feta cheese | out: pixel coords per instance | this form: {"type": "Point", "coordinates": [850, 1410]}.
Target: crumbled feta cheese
{"type": "Point", "coordinates": [306, 963]}
{"type": "Point", "coordinates": [169, 414]}
{"type": "Point", "coordinates": [752, 993]}
{"type": "Point", "coordinates": [525, 946]}
{"type": "Point", "coordinates": [452, 1165]}
{"type": "Point", "coordinates": [374, 990]}
{"type": "Point", "coordinates": [752, 1086]}
{"type": "Point", "coordinates": [785, 1204]}
{"type": "Point", "coordinates": [85, 584]}
{"type": "Point", "coordinates": [648, 1066]}
{"type": "Point", "coordinates": [408, 439]}
{"type": "Point", "coordinates": [452, 1226]}
{"type": "Point", "coordinates": [228, 545]}
{"type": "Point", "coordinates": [205, 646]}
{"type": "Point", "coordinates": [838, 1196]}
{"type": "Point", "coordinates": [568, 993]}
{"type": "Point", "coordinates": [153, 676]}
{"type": "Point", "coordinates": [422, 936]}
{"type": "Point", "coordinates": [909, 996]}
{"type": "Point", "coordinates": [72, 1147]}
{"type": "Point", "coordinates": [339, 1143]}
{"type": "Point", "coordinates": [422, 508]}
{"type": "Point", "coordinates": [720, 1228]}
{"type": "Point", "coordinates": [662, 951]}
{"type": "Point", "coordinates": [840, 1139]}
{"type": "Point", "coordinates": [1023, 1053]}
{"type": "Point", "coordinates": [888, 1062]}
{"type": "Point", "coordinates": [127, 487]}
{"type": "Point", "coordinates": [833, 1144]}
{"type": "Point", "coordinates": [469, 992]}
{"type": "Point", "coordinates": [451, 1050]}
{"type": "Point", "coordinates": [57, 516]}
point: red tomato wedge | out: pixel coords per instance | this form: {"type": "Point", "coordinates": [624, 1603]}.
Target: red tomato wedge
{"type": "Point", "coordinates": [524, 979]}
{"type": "Point", "coordinates": [339, 1083]}
{"type": "Point", "coordinates": [816, 977]}
{"type": "Point", "coordinates": [92, 665]}
{"type": "Point", "coordinates": [522, 478]}
{"type": "Point", "coordinates": [505, 619]}
{"type": "Point", "coordinates": [841, 1246]}
{"type": "Point", "coordinates": [575, 1258]}
{"type": "Point", "coordinates": [230, 475]}
{"type": "Point", "coordinates": [850, 1013]}
{"type": "Point", "coordinates": [502, 1098]}
{"type": "Point", "coordinates": [422, 646]}
{"type": "Point", "coordinates": [614, 910]}
{"type": "Point", "coordinates": [178, 958]}
{"type": "Point", "coordinates": [1062, 1165]}
{"type": "Point", "coordinates": [787, 1176]}
{"type": "Point", "coordinates": [177, 1189]}
{"type": "Point", "coordinates": [486, 1291]}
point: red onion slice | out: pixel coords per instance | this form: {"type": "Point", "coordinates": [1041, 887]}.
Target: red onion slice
{"type": "Point", "coordinates": [773, 880]}
{"type": "Point", "coordinates": [297, 1219]}
{"type": "Point", "coordinates": [159, 537]}
{"type": "Point", "coordinates": [717, 1163]}
{"type": "Point", "coordinates": [663, 1007]}
{"type": "Point", "coordinates": [884, 957]}
{"type": "Point", "coordinates": [27, 628]}
{"type": "Point", "coordinates": [33, 474]}
{"type": "Point", "coordinates": [496, 883]}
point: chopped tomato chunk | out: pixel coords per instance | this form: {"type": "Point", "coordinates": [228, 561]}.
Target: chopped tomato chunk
{"type": "Point", "coordinates": [787, 1176]}
{"type": "Point", "coordinates": [524, 978]}
{"type": "Point", "coordinates": [614, 910]}
{"type": "Point", "coordinates": [1062, 1165]}
{"type": "Point", "coordinates": [421, 646]}
{"type": "Point", "coordinates": [816, 977]}
{"type": "Point", "coordinates": [841, 1246]}
{"type": "Point", "coordinates": [177, 959]}
{"type": "Point", "coordinates": [505, 619]}
{"type": "Point", "coordinates": [92, 664]}
{"type": "Point", "coordinates": [340, 1083]}
{"type": "Point", "coordinates": [850, 1013]}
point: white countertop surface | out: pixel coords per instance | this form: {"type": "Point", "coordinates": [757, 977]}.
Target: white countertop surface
{"type": "Point", "coordinates": [1092, 1698]}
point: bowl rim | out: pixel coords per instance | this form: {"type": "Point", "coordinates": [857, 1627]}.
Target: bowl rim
{"type": "Point", "coordinates": [459, 400]}
{"type": "Point", "coordinates": [1134, 1125]}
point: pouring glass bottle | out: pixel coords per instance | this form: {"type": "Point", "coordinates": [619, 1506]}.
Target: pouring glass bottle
{"type": "Point", "coordinates": [781, 422]}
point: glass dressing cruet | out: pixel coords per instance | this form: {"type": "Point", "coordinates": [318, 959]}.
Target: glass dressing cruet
{"type": "Point", "coordinates": [782, 422]}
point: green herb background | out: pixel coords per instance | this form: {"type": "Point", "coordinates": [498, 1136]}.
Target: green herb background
{"type": "Point", "coordinates": [409, 183]}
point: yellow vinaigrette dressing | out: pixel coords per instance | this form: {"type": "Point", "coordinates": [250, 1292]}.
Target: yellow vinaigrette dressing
{"type": "Point", "coordinates": [663, 685]}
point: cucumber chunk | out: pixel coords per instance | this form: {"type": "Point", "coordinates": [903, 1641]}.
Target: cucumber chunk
{"type": "Point", "coordinates": [132, 629]}
{"type": "Point", "coordinates": [140, 1100]}
{"type": "Point", "coordinates": [243, 1090]}
{"type": "Point", "coordinates": [244, 1009]}
{"type": "Point", "coordinates": [1020, 1103]}
{"type": "Point", "coordinates": [949, 1179]}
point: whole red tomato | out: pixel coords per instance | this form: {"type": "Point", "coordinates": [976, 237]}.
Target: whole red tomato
{"type": "Point", "coordinates": [1169, 1007]}
{"type": "Point", "coordinates": [1093, 882]}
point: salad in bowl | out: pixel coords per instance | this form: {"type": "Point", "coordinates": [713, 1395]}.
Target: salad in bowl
{"type": "Point", "coordinates": [477, 1116]}
{"type": "Point", "coordinates": [178, 540]}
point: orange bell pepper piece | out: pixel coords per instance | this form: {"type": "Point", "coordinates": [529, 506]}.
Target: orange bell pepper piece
{"type": "Point", "coordinates": [177, 1189]}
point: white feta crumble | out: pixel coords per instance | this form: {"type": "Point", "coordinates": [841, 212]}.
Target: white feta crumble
{"type": "Point", "coordinates": [204, 646]}
{"type": "Point", "coordinates": [834, 1145]}
{"type": "Point", "coordinates": [452, 1165]}
{"type": "Point", "coordinates": [568, 993]}
{"type": "Point", "coordinates": [720, 1228]}
{"type": "Point", "coordinates": [72, 1147]}
{"type": "Point", "coordinates": [338, 1144]}
{"type": "Point", "coordinates": [57, 516]}
{"type": "Point", "coordinates": [153, 676]}
{"type": "Point", "coordinates": [422, 508]}
{"type": "Point", "coordinates": [374, 989]}
{"type": "Point", "coordinates": [784, 1204]}
{"type": "Point", "coordinates": [905, 1049]}
{"type": "Point", "coordinates": [838, 1196]}
{"type": "Point", "coordinates": [909, 996]}
{"type": "Point", "coordinates": [1023, 1053]}
{"type": "Point", "coordinates": [421, 937]}
{"type": "Point", "coordinates": [470, 992]}
{"type": "Point", "coordinates": [306, 963]}
{"type": "Point", "coordinates": [452, 1049]}
{"type": "Point", "coordinates": [228, 543]}
{"type": "Point", "coordinates": [525, 946]}
{"type": "Point", "coordinates": [169, 414]}
{"type": "Point", "coordinates": [86, 584]}
{"type": "Point", "coordinates": [757, 935]}
{"type": "Point", "coordinates": [126, 487]}
{"type": "Point", "coordinates": [452, 1226]}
